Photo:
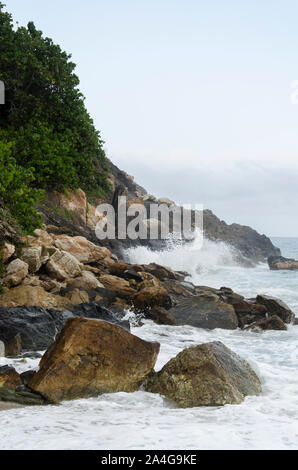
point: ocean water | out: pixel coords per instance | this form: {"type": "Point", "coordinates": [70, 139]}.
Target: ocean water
{"type": "Point", "coordinates": [145, 421]}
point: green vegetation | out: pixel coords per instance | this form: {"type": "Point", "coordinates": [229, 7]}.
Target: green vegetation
{"type": "Point", "coordinates": [17, 194]}
{"type": "Point", "coordinates": [46, 133]}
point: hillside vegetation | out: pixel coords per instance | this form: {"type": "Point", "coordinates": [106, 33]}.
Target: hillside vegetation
{"type": "Point", "coordinates": [47, 138]}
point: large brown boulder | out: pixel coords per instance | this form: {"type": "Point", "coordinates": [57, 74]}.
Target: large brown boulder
{"type": "Point", "coordinates": [206, 375]}
{"type": "Point", "coordinates": [91, 357]}
{"type": "Point", "coordinates": [206, 310]}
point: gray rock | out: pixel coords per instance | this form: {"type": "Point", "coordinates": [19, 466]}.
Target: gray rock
{"type": "Point", "coordinates": [279, 263]}
{"type": "Point", "coordinates": [206, 375]}
{"type": "Point", "coordinates": [271, 323]}
{"type": "Point", "coordinates": [276, 307]}
{"type": "Point", "coordinates": [205, 311]}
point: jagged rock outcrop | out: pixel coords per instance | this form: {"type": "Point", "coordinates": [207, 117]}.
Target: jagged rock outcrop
{"type": "Point", "coordinates": [92, 357]}
{"type": "Point", "coordinates": [206, 375]}
{"type": "Point", "coordinates": [71, 214]}
{"type": "Point", "coordinates": [247, 240]}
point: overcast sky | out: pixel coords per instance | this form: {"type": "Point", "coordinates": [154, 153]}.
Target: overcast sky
{"type": "Point", "coordinates": [192, 97]}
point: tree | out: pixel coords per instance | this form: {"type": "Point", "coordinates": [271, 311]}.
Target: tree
{"type": "Point", "coordinates": [45, 114]}
{"type": "Point", "coordinates": [16, 192]}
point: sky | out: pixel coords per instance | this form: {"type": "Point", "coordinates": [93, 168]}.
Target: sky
{"type": "Point", "coordinates": [191, 97]}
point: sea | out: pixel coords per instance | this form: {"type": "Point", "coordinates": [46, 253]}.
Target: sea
{"type": "Point", "coordinates": [146, 421]}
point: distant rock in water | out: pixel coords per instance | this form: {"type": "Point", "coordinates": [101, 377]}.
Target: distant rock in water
{"type": "Point", "coordinates": [279, 262]}
{"type": "Point", "coordinates": [206, 375]}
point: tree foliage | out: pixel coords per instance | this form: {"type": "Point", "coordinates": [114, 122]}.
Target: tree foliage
{"type": "Point", "coordinates": [53, 136]}
{"type": "Point", "coordinates": [16, 192]}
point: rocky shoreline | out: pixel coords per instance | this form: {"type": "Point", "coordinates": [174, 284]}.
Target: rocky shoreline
{"type": "Point", "coordinates": [61, 286]}
{"type": "Point", "coordinates": [65, 290]}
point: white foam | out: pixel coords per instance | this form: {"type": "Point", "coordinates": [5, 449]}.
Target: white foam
{"type": "Point", "coordinates": [193, 257]}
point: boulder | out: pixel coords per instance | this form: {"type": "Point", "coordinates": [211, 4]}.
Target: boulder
{"type": "Point", "coordinates": [205, 311]}
{"type": "Point", "coordinates": [163, 273]}
{"type": "Point", "coordinates": [206, 375]}
{"type": "Point", "coordinates": [86, 281]}
{"type": "Point", "coordinates": [31, 296]}
{"type": "Point", "coordinates": [9, 378]}
{"type": "Point", "coordinates": [63, 265]}
{"type": "Point", "coordinates": [92, 357]}
{"type": "Point", "coordinates": [7, 251]}
{"type": "Point", "coordinates": [150, 297]}
{"type": "Point", "coordinates": [77, 296]}
{"type": "Point", "coordinates": [38, 327]}
{"type": "Point", "coordinates": [117, 284]}
{"type": "Point", "coordinates": [34, 256]}
{"type": "Point", "coordinates": [276, 307]}
{"type": "Point", "coordinates": [161, 316]}
{"type": "Point", "coordinates": [12, 389]}
{"type": "Point", "coordinates": [272, 323]}
{"type": "Point", "coordinates": [81, 248]}
{"type": "Point", "coordinates": [279, 263]}
{"type": "Point", "coordinates": [95, 311]}
{"type": "Point", "coordinates": [16, 271]}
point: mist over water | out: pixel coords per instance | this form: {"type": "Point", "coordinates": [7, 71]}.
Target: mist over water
{"type": "Point", "coordinates": [145, 421]}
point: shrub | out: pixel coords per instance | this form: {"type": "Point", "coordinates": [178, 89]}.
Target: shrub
{"type": "Point", "coordinates": [16, 192]}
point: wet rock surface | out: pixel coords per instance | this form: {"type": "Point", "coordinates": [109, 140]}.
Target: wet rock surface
{"type": "Point", "coordinates": [205, 311]}
{"type": "Point", "coordinates": [38, 327]}
{"type": "Point", "coordinates": [91, 357]}
{"type": "Point", "coordinates": [206, 375]}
